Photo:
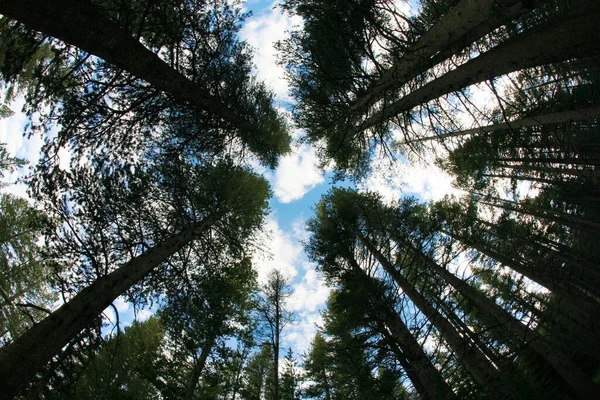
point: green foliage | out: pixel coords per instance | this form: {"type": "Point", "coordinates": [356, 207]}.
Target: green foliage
{"type": "Point", "coordinates": [24, 274]}
{"type": "Point", "coordinates": [127, 366]}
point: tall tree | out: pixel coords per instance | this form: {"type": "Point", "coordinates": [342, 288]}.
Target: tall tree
{"type": "Point", "coordinates": [411, 91]}
{"type": "Point", "coordinates": [24, 291]}
{"type": "Point", "coordinates": [204, 81]}
{"type": "Point", "coordinates": [205, 309]}
{"type": "Point", "coordinates": [274, 315]}
{"type": "Point", "coordinates": [290, 379]}
{"type": "Point", "coordinates": [223, 196]}
{"type": "Point", "coordinates": [333, 247]}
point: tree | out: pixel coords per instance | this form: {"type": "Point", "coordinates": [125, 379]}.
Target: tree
{"type": "Point", "coordinates": [127, 366]}
{"type": "Point", "coordinates": [274, 316]}
{"type": "Point", "coordinates": [223, 196]}
{"type": "Point", "coordinates": [290, 379]}
{"type": "Point", "coordinates": [333, 248]}
{"type": "Point", "coordinates": [24, 292]}
{"type": "Point", "coordinates": [244, 106]}
{"type": "Point", "coordinates": [317, 365]}
{"type": "Point", "coordinates": [204, 310]}
{"type": "Point", "coordinates": [411, 92]}
{"type": "Point", "coordinates": [408, 235]}
{"type": "Point", "coordinates": [258, 374]}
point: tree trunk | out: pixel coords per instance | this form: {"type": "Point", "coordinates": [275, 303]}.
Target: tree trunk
{"type": "Point", "coordinates": [198, 367]}
{"type": "Point", "coordinates": [548, 279]}
{"type": "Point", "coordinates": [561, 117]}
{"type": "Point", "coordinates": [401, 357]}
{"type": "Point", "coordinates": [428, 376]}
{"type": "Point", "coordinates": [475, 362]}
{"type": "Point", "coordinates": [548, 214]}
{"type": "Point", "coordinates": [467, 22]}
{"type": "Point", "coordinates": [77, 22]}
{"type": "Point", "coordinates": [20, 360]}
{"type": "Point", "coordinates": [276, 348]}
{"type": "Point", "coordinates": [579, 382]}
{"type": "Point", "coordinates": [552, 42]}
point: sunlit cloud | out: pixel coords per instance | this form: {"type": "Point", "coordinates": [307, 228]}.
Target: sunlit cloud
{"type": "Point", "coordinates": [262, 32]}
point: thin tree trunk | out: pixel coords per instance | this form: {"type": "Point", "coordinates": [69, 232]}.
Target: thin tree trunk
{"type": "Point", "coordinates": [23, 358]}
{"type": "Point", "coordinates": [276, 348]}
{"type": "Point", "coordinates": [586, 310]}
{"type": "Point", "coordinates": [579, 382]}
{"type": "Point", "coordinates": [548, 214]}
{"type": "Point", "coordinates": [77, 22]}
{"type": "Point", "coordinates": [561, 117]}
{"type": "Point", "coordinates": [401, 357]}
{"type": "Point", "coordinates": [551, 42]}
{"type": "Point", "coordinates": [484, 373]}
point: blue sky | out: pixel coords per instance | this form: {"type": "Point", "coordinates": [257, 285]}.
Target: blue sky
{"type": "Point", "coordinates": [297, 184]}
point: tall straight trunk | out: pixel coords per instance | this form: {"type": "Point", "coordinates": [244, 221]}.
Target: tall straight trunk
{"type": "Point", "coordinates": [579, 382]}
{"type": "Point", "coordinates": [577, 275]}
{"type": "Point", "coordinates": [77, 22]}
{"type": "Point", "coordinates": [198, 367]}
{"type": "Point", "coordinates": [546, 213]}
{"type": "Point", "coordinates": [552, 280]}
{"type": "Point", "coordinates": [561, 117]}
{"type": "Point", "coordinates": [403, 361]}
{"type": "Point", "coordinates": [551, 42]}
{"type": "Point", "coordinates": [426, 374]}
{"type": "Point", "coordinates": [23, 358]}
{"type": "Point", "coordinates": [465, 23]}
{"type": "Point", "coordinates": [475, 362]}
{"type": "Point", "coordinates": [276, 347]}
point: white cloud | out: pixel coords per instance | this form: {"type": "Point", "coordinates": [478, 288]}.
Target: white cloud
{"type": "Point", "coordinates": [402, 178]}
{"type": "Point", "coordinates": [280, 251]}
{"type": "Point", "coordinates": [297, 174]}
{"type": "Point", "coordinates": [311, 294]}
{"type": "Point", "coordinates": [261, 32]}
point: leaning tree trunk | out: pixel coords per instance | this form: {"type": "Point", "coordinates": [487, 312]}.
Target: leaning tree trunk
{"type": "Point", "coordinates": [77, 22]}
{"type": "Point", "coordinates": [23, 358]}
{"type": "Point", "coordinates": [560, 117]}
{"type": "Point", "coordinates": [465, 23]}
{"type": "Point", "coordinates": [427, 375]}
{"type": "Point", "coordinates": [579, 382]}
{"type": "Point", "coordinates": [475, 362]}
{"type": "Point", "coordinates": [551, 42]}
{"type": "Point", "coordinates": [554, 280]}
{"type": "Point", "coordinates": [198, 367]}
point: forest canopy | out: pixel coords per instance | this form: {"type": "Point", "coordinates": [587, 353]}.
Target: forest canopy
{"type": "Point", "coordinates": [491, 293]}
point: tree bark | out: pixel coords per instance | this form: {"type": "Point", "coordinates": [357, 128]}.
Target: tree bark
{"type": "Point", "coordinates": [583, 310]}
{"type": "Point", "coordinates": [468, 21]}
{"type": "Point", "coordinates": [475, 362]}
{"type": "Point", "coordinates": [428, 376]}
{"type": "Point", "coordinates": [199, 367]}
{"type": "Point", "coordinates": [20, 360]}
{"type": "Point", "coordinates": [571, 373]}
{"type": "Point", "coordinates": [77, 22]}
{"type": "Point", "coordinates": [551, 42]}
{"type": "Point", "coordinates": [276, 348]}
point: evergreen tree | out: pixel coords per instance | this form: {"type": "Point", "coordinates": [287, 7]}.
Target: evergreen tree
{"type": "Point", "coordinates": [223, 196]}
{"type": "Point", "coordinates": [274, 315]}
